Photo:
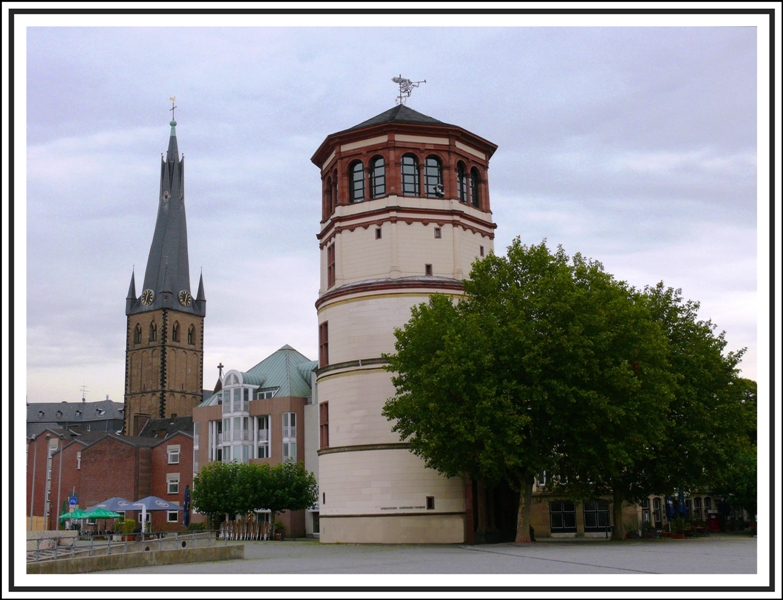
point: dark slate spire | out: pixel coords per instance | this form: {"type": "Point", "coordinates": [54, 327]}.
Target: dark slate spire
{"type": "Point", "coordinates": [130, 299]}
{"type": "Point", "coordinates": [167, 265]}
{"type": "Point", "coordinates": [200, 297]}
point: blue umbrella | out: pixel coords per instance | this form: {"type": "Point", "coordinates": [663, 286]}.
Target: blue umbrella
{"type": "Point", "coordinates": [186, 516]}
{"type": "Point", "coordinates": [114, 504]}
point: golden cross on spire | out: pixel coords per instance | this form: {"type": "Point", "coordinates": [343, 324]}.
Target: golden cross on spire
{"type": "Point", "coordinates": [172, 106]}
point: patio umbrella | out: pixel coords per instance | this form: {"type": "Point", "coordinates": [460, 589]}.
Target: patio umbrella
{"type": "Point", "coordinates": [102, 513]}
{"type": "Point", "coordinates": [77, 514]}
{"type": "Point", "coordinates": [186, 516]}
{"type": "Point", "coordinates": [153, 503]}
{"type": "Point", "coordinates": [114, 504]}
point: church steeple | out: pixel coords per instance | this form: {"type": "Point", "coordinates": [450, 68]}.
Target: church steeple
{"type": "Point", "coordinates": [167, 277]}
{"type": "Point", "coordinates": [164, 356]}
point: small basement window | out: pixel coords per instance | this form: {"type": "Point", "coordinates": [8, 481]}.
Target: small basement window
{"type": "Point", "coordinates": [428, 269]}
{"type": "Point", "coordinates": [437, 233]}
{"type": "Point", "coordinates": [378, 233]}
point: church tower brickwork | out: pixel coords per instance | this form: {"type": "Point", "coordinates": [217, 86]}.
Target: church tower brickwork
{"type": "Point", "coordinates": [405, 212]}
{"type": "Point", "coordinates": [164, 348]}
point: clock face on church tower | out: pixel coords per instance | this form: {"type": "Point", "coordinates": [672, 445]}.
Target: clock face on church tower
{"type": "Point", "coordinates": [147, 296]}
{"type": "Point", "coordinates": [185, 297]}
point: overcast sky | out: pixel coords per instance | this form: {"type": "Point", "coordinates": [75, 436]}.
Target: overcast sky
{"type": "Point", "coordinates": [635, 146]}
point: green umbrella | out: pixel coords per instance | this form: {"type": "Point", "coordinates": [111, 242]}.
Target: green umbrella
{"type": "Point", "coordinates": [77, 514]}
{"type": "Point", "coordinates": [101, 513]}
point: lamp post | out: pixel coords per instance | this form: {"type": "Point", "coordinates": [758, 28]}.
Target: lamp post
{"type": "Point", "coordinates": [59, 483]}
{"type": "Point", "coordinates": [32, 492]}
{"type": "Point", "coordinates": [48, 485]}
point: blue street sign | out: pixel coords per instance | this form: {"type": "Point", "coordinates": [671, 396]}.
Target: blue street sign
{"type": "Point", "coordinates": [72, 500]}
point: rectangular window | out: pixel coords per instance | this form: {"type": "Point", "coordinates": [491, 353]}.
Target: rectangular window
{"type": "Point", "coordinates": [646, 512]}
{"type": "Point", "coordinates": [430, 502]}
{"type": "Point", "coordinates": [697, 509]}
{"type": "Point", "coordinates": [173, 452]}
{"type": "Point", "coordinates": [562, 517]}
{"type": "Point", "coordinates": [708, 504]}
{"type": "Point", "coordinates": [596, 515]}
{"type": "Point", "coordinates": [172, 516]}
{"type": "Point", "coordinates": [78, 461]}
{"type": "Point", "coordinates": [172, 483]}
{"type": "Point", "coordinates": [657, 513]}
{"type": "Point", "coordinates": [378, 233]}
{"type": "Point", "coordinates": [330, 267]}
{"type": "Point", "coordinates": [323, 344]}
{"type": "Point", "coordinates": [541, 479]}
{"type": "Point", "coordinates": [263, 436]}
{"type": "Point", "coordinates": [324, 410]}
{"type": "Point", "coordinates": [481, 250]}
{"type": "Point", "coordinates": [437, 233]}
{"type": "Point", "coordinates": [428, 270]}
{"type": "Point", "coordinates": [289, 436]}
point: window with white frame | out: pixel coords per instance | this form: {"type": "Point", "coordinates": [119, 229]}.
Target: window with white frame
{"type": "Point", "coordinates": [263, 436]}
{"type": "Point", "coordinates": [172, 483]}
{"type": "Point", "coordinates": [289, 436]}
{"type": "Point", "coordinates": [172, 516]}
{"type": "Point", "coordinates": [78, 461]}
{"type": "Point", "coordinates": [173, 452]}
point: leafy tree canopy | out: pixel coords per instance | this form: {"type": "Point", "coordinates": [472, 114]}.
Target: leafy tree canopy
{"type": "Point", "coordinates": [544, 359]}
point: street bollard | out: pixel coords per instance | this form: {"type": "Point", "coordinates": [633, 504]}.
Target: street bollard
{"type": "Point", "coordinates": [91, 543]}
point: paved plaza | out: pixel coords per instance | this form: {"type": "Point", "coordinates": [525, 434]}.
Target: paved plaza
{"type": "Point", "coordinates": [716, 554]}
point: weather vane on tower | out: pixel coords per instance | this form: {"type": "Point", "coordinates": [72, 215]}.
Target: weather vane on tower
{"type": "Point", "coordinates": [172, 106]}
{"type": "Point", "coordinates": [406, 87]}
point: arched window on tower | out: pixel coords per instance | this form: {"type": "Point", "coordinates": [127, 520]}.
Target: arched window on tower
{"type": "Point", "coordinates": [410, 175]}
{"type": "Point", "coordinates": [137, 334]}
{"type": "Point", "coordinates": [191, 335]}
{"type": "Point", "coordinates": [433, 177]}
{"type": "Point", "coordinates": [153, 331]}
{"type": "Point", "coordinates": [335, 190]}
{"type": "Point", "coordinates": [474, 187]}
{"type": "Point", "coordinates": [175, 332]}
{"type": "Point", "coordinates": [357, 181]}
{"type": "Point", "coordinates": [377, 177]}
{"type": "Point", "coordinates": [328, 197]}
{"type": "Point", "coordinates": [462, 184]}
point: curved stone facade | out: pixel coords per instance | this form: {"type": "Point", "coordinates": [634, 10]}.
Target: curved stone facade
{"type": "Point", "coordinates": [385, 249]}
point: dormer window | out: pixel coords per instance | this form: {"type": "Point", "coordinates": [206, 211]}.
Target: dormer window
{"type": "Point", "coordinates": [59, 414]}
{"type": "Point", "coordinates": [100, 411]}
{"type": "Point", "coordinates": [40, 414]}
{"type": "Point", "coordinates": [78, 413]}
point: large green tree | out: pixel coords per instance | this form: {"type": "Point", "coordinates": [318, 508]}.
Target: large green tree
{"type": "Point", "coordinates": [239, 488]}
{"type": "Point", "coordinates": [544, 357]}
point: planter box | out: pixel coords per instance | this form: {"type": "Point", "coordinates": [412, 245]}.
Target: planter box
{"type": "Point", "coordinates": [677, 536]}
{"type": "Point", "coordinates": [666, 533]}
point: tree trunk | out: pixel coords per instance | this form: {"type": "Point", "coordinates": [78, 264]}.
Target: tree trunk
{"type": "Point", "coordinates": [618, 531]}
{"type": "Point", "coordinates": [523, 515]}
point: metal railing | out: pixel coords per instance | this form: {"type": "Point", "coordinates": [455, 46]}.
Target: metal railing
{"type": "Point", "coordinates": [50, 548]}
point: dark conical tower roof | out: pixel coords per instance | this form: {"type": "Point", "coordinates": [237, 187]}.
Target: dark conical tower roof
{"type": "Point", "coordinates": [168, 274]}
{"type": "Point", "coordinates": [399, 114]}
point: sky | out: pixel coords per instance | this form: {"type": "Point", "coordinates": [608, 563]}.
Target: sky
{"type": "Point", "coordinates": [635, 146]}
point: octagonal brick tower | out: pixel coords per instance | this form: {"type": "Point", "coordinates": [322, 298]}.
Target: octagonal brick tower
{"type": "Point", "coordinates": [405, 212]}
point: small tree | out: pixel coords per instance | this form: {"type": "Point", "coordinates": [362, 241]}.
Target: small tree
{"type": "Point", "coordinates": [215, 490]}
{"type": "Point", "coordinates": [286, 486]}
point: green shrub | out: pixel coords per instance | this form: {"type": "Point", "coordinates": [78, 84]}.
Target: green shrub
{"type": "Point", "coordinates": [128, 526]}
{"type": "Point", "coordinates": [196, 527]}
